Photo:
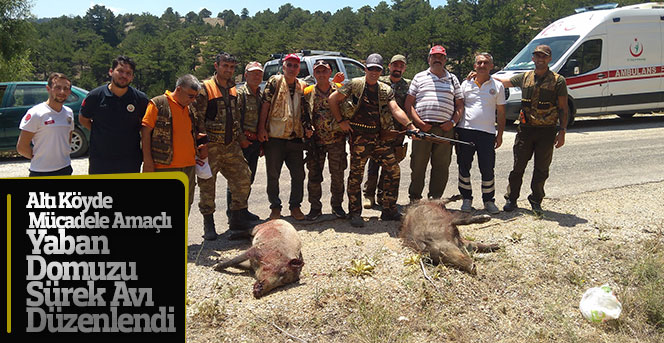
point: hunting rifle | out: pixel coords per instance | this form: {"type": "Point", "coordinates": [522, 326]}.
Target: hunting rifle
{"type": "Point", "coordinates": [425, 136]}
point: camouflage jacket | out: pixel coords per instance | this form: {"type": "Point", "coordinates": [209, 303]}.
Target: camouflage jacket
{"type": "Point", "coordinates": [249, 107]}
{"type": "Point", "coordinates": [209, 110]}
{"type": "Point", "coordinates": [326, 128]}
{"type": "Point", "coordinates": [353, 92]}
{"type": "Point", "coordinates": [400, 92]}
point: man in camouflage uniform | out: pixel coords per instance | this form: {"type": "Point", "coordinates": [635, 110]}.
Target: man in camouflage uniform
{"type": "Point", "coordinates": [215, 114]}
{"type": "Point", "coordinates": [369, 108]}
{"type": "Point", "coordinates": [249, 106]}
{"type": "Point", "coordinates": [400, 86]}
{"type": "Point", "coordinates": [543, 105]}
{"type": "Point", "coordinates": [328, 140]}
{"type": "Point", "coordinates": [283, 123]}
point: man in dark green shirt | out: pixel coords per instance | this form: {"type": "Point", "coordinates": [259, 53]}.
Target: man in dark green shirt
{"type": "Point", "coordinates": [543, 105]}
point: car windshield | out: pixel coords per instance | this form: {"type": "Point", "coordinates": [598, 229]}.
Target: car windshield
{"type": "Point", "coordinates": [559, 45]}
{"type": "Point", "coordinates": [270, 69]}
{"type": "Point", "coordinates": [273, 69]}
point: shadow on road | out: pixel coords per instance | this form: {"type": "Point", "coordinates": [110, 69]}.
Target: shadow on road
{"type": "Point", "coordinates": [563, 219]}
{"type": "Point", "coordinates": [611, 123]}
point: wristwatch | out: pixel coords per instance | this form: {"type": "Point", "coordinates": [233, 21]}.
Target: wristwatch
{"type": "Point", "coordinates": [453, 122]}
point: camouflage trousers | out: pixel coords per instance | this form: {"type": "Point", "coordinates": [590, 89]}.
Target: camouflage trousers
{"type": "Point", "coordinates": [337, 163]}
{"type": "Point", "coordinates": [229, 161]}
{"type": "Point", "coordinates": [362, 147]}
{"type": "Point", "coordinates": [373, 187]}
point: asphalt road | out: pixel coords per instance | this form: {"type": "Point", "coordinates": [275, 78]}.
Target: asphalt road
{"type": "Point", "coordinates": [599, 153]}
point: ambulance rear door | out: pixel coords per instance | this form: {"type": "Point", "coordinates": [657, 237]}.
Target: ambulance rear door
{"type": "Point", "coordinates": [635, 61]}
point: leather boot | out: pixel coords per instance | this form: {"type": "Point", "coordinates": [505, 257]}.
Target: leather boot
{"type": "Point", "coordinates": [238, 222]}
{"type": "Point", "coordinates": [210, 234]}
{"type": "Point", "coordinates": [250, 216]}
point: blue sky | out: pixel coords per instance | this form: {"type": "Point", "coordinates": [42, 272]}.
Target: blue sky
{"type": "Point", "coordinates": [50, 8]}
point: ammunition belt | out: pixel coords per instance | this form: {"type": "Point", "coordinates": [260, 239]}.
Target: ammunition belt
{"type": "Point", "coordinates": [365, 128]}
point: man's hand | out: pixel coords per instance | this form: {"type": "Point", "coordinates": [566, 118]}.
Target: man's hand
{"type": "Point", "coordinates": [308, 133]}
{"type": "Point", "coordinates": [339, 77]}
{"type": "Point", "coordinates": [425, 127]}
{"type": "Point", "coordinates": [498, 141]}
{"type": "Point", "coordinates": [262, 134]}
{"type": "Point", "coordinates": [245, 143]}
{"type": "Point", "coordinates": [345, 125]}
{"type": "Point", "coordinates": [148, 166]}
{"type": "Point", "coordinates": [413, 136]}
{"type": "Point", "coordinates": [202, 151]}
{"type": "Point", "coordinates": [471, 75]}
{"type": "Point", "coordinates": [446, 126]}
{"type": "Point", "coordinates": [560, 139]}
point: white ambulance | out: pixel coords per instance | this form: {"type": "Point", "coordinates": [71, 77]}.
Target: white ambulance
{"type": "Point", "coordinates": [611, 57]}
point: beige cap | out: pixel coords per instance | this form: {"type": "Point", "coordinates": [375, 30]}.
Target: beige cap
{"type": "Point", "coordinates": [395, 58]}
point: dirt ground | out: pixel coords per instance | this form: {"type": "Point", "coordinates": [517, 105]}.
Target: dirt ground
{"type": "Point", "coordinates": [529, 291]}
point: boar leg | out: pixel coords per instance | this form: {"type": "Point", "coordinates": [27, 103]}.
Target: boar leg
{"type": "Point", "coordinates": [451, 199]}
{"type": "Point", "coordinates": [240, 261]}
{"type": "Point", "coordinates": [467, 219]}
{"type": "Point", "coordinates": [480, 247]}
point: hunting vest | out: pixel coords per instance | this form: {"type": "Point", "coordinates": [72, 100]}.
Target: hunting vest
{"type": "Point", "coordinates": [216, 110]}
{"type": "Point", "coordinates": [400, 92]}
{"type": "Point", "coordinates": [162, 134]}
{"type": "Point", "coordinates": [539, 100]}
{"type": "Point", "coordinates": [352, 103]}
{"type": "Point", "coordinates": [285, 117]}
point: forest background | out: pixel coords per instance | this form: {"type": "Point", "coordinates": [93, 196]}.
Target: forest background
{"type": "Point", "coordinates": [173, 44]}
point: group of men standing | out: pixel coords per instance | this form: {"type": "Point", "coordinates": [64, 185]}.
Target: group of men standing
{"type": "Point", "coordinates": [232, 127]}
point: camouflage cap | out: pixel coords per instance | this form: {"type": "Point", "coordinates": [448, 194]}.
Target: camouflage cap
{"type": "Point", "coordinates": [251, 66]}
{"type": "Point", "coordinates": [397, 57]}
{"type": "Point", "coordinates": [545, 49]}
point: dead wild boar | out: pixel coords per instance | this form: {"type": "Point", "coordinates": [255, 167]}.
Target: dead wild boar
{"type": "Point", "coordinates": [275, 256]}
{"type": "Point", "coordinates": [429, 228]}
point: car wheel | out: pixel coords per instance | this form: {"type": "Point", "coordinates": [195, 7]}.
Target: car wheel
{"type": "Point", "coordinates": [79, 144]}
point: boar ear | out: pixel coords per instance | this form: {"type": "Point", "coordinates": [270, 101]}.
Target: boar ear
{"type": "Point", "coordinates": [296, 263]}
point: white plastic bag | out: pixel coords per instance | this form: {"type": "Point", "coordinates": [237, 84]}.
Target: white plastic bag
{"type": "Point", "coordinates": [599, 304]}
{"type": "Point", "coordinates": [203, 170]}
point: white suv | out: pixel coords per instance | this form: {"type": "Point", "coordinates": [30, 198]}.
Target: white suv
{"type": "Point", "coordinates": [337, 60]}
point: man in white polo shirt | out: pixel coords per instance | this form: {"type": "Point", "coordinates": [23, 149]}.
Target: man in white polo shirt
{"type": "Point", "coordinates": [483, 96]}
{"type": "Point", "coordinates": [435, 104]}
{"type": "Point", "coordinates": [48, 126]}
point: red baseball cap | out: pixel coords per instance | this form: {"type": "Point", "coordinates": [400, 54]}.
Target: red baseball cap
{"type": "Point", "coordinates": [292, 57]}
{"type": "Point", "coordinates": [437, 49]}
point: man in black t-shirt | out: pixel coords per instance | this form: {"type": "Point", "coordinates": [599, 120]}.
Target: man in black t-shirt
{"type": "Point", "coordinates": [113, 114]}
